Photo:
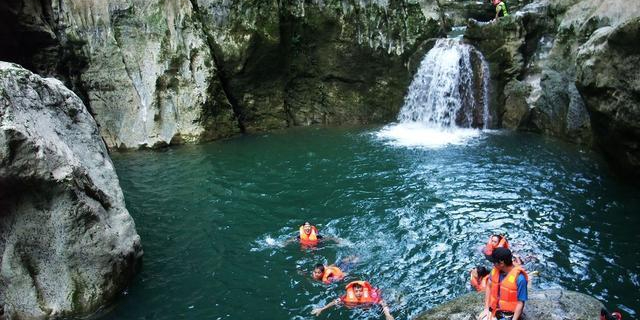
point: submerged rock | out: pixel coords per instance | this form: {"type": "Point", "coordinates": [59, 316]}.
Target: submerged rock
{"type": "Point", "coordinates": [68, 243]}
{"type": "Point", "coordinates": [550, 304]}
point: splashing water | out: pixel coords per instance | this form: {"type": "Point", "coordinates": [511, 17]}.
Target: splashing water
{"type": "Point", "coordinates": [447, 97]}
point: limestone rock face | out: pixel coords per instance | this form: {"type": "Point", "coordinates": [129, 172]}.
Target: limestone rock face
{"type": "Point", "coordinates": [609, 79]}
{"type": "Point", "coordinates": [552, 304]}
{"type": "Point", "coordinates": [68, 244]}
{"type": "Point", "coordinates": [158, 72]}
{"type": "Point", "coordinates": [299, 63]}
{"type": "Point", "coordinates": [533, 57]}
{"type": "Point", "coordinates": [149, 79]}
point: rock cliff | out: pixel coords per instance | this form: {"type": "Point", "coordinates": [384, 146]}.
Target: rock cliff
{"type": "Point", "coordinates": [608, 77]}
{"type": "Point", "coordinates": [568, 69]}
{"type": "Point", "coordinates": [156, 72]}
{"type": "Point", "coordinates": [68, 244]}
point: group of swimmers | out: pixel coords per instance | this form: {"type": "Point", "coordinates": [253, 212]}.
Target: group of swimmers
{"type": "Point", "coordinates": [505, 286]}
{"type": "Point", "coordinates": [503, 301]}
{"type": "Point", "coordinates": [358, 293]}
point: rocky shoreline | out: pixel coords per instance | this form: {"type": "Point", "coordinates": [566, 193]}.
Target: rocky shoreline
{"type": "Point", "coordinates": [549, 304]}
{"type": "Point", "coordinates": [149, 73]}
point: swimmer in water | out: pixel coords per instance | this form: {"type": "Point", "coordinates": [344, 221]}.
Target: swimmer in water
{"type": "Point", "coordinates": [308, 236]}
{"type": "Point", "coordinates": [358, 294]}
{"type": "Point", "coordinates": [333, 273]}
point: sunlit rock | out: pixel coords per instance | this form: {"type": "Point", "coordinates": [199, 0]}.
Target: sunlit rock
{"type": "Point", "coordinates": [68, 243]}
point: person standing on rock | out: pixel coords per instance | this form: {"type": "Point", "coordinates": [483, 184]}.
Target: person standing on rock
{"type": "Point", "coordinates": [506, 291]}
{"type": "Point", "coordinates": [501, 9]}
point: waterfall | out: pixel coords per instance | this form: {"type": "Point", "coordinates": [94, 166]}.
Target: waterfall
{"type": "Point", "coordinates": [448, 96]}
{"type": "Point", "coordinates": [450, 88]}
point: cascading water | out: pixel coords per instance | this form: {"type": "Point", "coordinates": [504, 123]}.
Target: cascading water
{"type": "Point", "coordinates": [447, 97]}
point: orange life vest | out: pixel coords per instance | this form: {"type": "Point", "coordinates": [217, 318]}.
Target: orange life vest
{"type": "Point", "coordinates": [370, 295]}
{"type": "Point", "coordinates": [309, 239]}
{"type": "Point", "coordinates": [332, 273]}
{"type": "Point", "coordinates": [479, 285]}
{"type": "Point", "coordinates": [488, 249]}
{"type": "Point", "coordinates": [508, 290]}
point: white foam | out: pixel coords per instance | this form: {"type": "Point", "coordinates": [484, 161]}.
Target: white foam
{"type": "Point", "coordinates": [413, 134]}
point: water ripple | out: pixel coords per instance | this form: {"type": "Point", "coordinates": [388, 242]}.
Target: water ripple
{"type": "Point", "coordinates": [215, 221]}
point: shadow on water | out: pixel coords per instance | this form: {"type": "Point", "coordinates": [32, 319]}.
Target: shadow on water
{"type": "Point", "coordinates": [213, 220]}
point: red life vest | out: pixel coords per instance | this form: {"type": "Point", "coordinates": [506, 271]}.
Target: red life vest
{"type": "Point", "coordinates": [332, 273]}
{"type": "Point", "coordinates": [479, 285]}
{"type": "Point", "coordinates": [488, 249]}
{"type": "Point", "coordinates": [508, 289]}
{"type": "Point", "coordinates": [309, 239]}
{"type": "Point", "coordinates": [370, 295]}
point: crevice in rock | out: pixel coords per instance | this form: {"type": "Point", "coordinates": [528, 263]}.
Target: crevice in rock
{"type": "Point", "coordinates": [220, 73]}
{"type": "Point", "coordinates": [335, 78]}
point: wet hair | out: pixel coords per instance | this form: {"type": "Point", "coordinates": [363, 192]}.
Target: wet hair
{"type": "Point", "coordinates": [499, 236]}
{"type": "Point", "coordinates": [319, 266]}
{"type": "Point", "coordinates": [502, 255]}
{"type": "Point", "coordinates": [357, 285]}
{"type": "Point", "coordinates": [482, 271]}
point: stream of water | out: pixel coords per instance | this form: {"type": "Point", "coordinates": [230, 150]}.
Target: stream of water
{"type": "Point", "coordinates": [214, 219]}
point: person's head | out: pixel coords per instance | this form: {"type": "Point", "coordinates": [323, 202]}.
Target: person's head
{"type": "Point", "coordinates": [495, 239]}
{"type": "Point", "coordinates": [318, 271]}
{"type": "Point", "coordinates": [496, 2]}
{"type": "Point", "coordinates": [307, 227]}
{"type": "Point", "coordinates": [358, 290]}
{"type": "Point", "coordinates": [482, 271]}
{"type": "Point", "coordinates": [502, 258]}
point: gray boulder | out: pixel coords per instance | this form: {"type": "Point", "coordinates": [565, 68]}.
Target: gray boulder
{"type": "Point", "coordinates": [68, 244]}
{"type": "Point", "coordinates": [609, 79]}
{"type": "Point", "coordinates": [550, 304]}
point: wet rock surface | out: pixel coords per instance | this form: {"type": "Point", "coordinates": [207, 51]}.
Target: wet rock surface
{"type": "Point", "coordinates": [608, 76]}
{"type": "Point", "coordinates": [554, 304]}
{"type": "Point", "coordinates": [68, 243]}
{"type": "Point", "coordinates": [155, 73]}
{"type": "Point", "coordinates": [555, 71]}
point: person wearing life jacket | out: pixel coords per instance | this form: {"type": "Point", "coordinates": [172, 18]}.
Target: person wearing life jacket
{"type": "Point", "coordinates": [358, 294]}
{"type": "Point", "coordinates": [495, 241]}
{"type": "Point", "coordinates": [479, 278]}
{"type": "Point", "coordinates": [327, 274]}
{"type": "Point", "coordinates": [501, 9]}
{"type": "Point", "coordinates": [308, 235]}
{"type": "Point", "coordinates": [506, 291]}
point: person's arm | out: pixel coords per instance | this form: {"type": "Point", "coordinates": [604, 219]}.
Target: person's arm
{"type": "Point", "coordinates": [289, 241]}
{"type": "Point", "coordinates": [385, 310]}
{"type": "Point", "coordinates": [334, 239]}
{"type": "Point", "coordinates": [318, 311]}
{"type": "Point", "coordinates": [487, 293]}
{"type": "Point", "coordinates": [518, 312]}
{"type": "Point", "coordinates": [522, 296]}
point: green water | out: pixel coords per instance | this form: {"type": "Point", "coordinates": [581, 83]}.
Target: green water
{"type": "Point", "coordinates": [213, 219]}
